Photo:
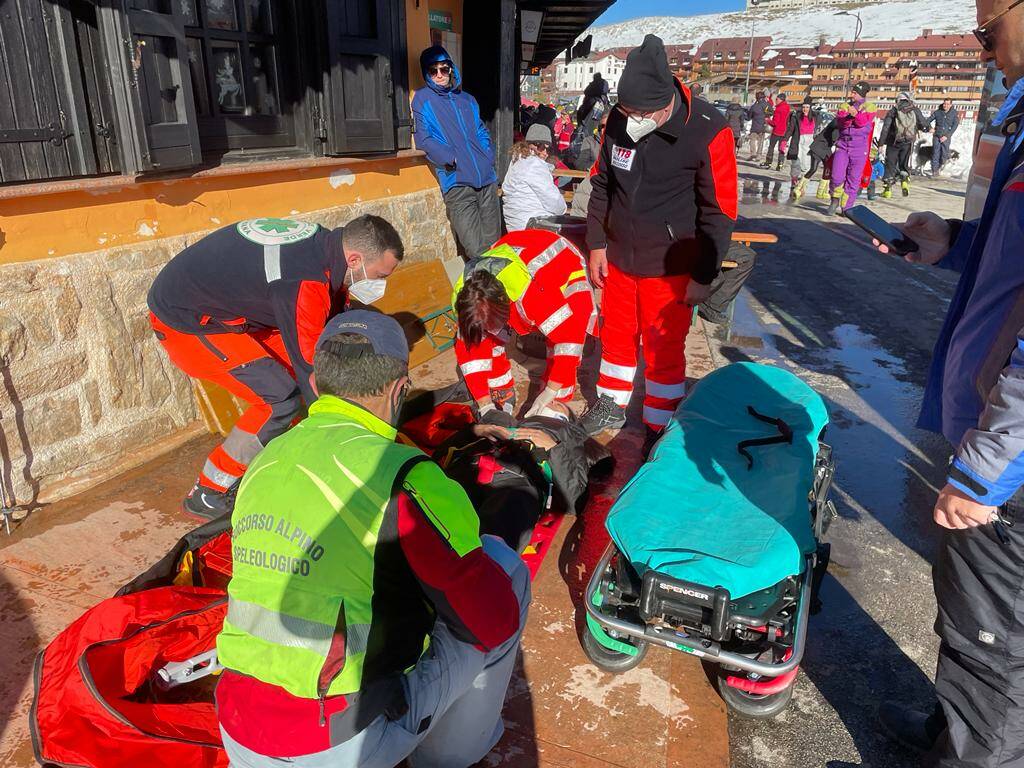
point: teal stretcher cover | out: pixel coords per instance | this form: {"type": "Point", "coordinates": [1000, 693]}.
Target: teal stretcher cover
{"type": "Point", "coordinates": [695, 511]}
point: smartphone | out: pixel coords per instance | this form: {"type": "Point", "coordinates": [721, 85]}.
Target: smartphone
{"type": "Point", "coordinates": [881, 230]}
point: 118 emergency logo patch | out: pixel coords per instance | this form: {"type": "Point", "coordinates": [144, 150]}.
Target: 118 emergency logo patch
{"type": "Point", "coordinates": [273, 231]}
{"type": "Point", "coordinates": [622, 157]}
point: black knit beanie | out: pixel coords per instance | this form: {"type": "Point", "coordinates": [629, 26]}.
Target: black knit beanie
{"type": "Point", "coordinates": [862, 89]}
{"type": "Point", "coordinates": [647, 84]}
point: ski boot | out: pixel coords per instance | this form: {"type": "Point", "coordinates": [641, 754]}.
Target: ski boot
{"type": "Point", "coordinates": [839, 198]}
{"type": "Point", "coordinates": [887, 191]}
{"type": "Point", "coordinates": [822, 193]}
{"type": "Point", "coordinates": [799, 186]}
{"type": "Point", "coordinates": [765, 164]}
{"type": "Point", "coordinates": [905, 186]}
{"type": "Point", "coordinates": [871, 191]}
{"type": "Point", "coordinates": [778, 166]}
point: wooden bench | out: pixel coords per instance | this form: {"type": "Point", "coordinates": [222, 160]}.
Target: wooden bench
{"type": "Point", "coordinates": [747, 238]}
{"type": "Point", "coordinates": [418, 296]}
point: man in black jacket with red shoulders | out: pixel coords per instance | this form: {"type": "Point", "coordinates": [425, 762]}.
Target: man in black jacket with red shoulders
{"type": "Point", "coordinates": [243, 308]}
{"type": "Point", "coordinates": [659, 223]}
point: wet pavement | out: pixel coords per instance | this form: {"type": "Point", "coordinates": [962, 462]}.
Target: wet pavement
{"type": "Point", "coordinates": [561, 711]}
{"type": "Point", "coordinates": [859, 327]}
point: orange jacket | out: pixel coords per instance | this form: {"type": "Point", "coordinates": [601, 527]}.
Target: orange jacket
{"type": "Point", "coordinates": [558, 302]}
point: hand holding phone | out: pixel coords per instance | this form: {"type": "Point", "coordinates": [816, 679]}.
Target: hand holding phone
{"type": "Point", "coordinates": [930, 231]}
{"type": "Point", "coordinates": [885, 233]}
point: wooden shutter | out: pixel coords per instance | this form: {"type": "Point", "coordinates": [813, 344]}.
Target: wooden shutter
{"type": "Point", "coordinates": [44, 130]}
{"type": "Point", "coordinates": [145, 40]}
{"type": "Point", "coordinates": [360, 104]}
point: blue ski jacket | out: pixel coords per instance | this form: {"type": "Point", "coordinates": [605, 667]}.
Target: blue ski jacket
{"type": "Point", "coordinates": [449, 130]}
{"type": "Point", "coordinates": [975, 390]}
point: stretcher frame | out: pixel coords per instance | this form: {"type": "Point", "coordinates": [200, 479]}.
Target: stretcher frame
{"type": "Point", "coordinates": [703, 648]}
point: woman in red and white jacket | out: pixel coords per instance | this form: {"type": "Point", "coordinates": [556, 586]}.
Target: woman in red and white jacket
{"type": "Point", "coordinates": [531, 280]}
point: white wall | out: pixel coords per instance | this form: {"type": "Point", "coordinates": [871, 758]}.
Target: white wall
{"type": "Point", "coordinates": [577, 74]}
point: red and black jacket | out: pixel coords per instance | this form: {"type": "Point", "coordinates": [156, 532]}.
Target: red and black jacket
{"type": "Point", "coordinates": [666, 205]}
{"type": "Point", "coordinates": [230, 283]}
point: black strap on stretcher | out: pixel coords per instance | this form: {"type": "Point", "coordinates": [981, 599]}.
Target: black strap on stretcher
{"type": "Point", "coordinates": [785, 436]}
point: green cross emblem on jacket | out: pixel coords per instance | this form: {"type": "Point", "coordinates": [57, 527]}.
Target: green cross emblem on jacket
{"type": "Point", "coordinates": [278, 226]}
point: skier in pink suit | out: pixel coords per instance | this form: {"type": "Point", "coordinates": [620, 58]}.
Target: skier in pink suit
{"type": "Point", "coordinates": [856, 124]}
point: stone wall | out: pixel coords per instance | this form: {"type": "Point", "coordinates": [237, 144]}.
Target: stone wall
{"type": "Point", "coordinates": [85, 390]}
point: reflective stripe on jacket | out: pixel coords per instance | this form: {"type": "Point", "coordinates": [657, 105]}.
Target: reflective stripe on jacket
{"type": "Point", "coordinates": [305, 530]}
{"type": "Point", "coordinates": [975, 389]}
{"type": "Point", "coordinates": [557, 301]}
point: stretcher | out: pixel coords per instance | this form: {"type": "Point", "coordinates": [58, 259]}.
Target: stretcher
{"type": "Point", "coordinates": [717, 542]}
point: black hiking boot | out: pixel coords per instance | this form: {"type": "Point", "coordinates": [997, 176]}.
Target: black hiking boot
{"type": "Point", "coordinates": [712, 315]}
{"type": "Point", "coordinates": [207, 503]}
{"type": "Point", "coordinates": [915, 730]}
{"type": "Point", "coordinates": [603, 415]}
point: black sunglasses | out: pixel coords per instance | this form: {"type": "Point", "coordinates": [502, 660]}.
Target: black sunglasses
{"type": "Point", "coordinates": [984, 33]}
{"type": "Point", "coordinates": [446, 69]}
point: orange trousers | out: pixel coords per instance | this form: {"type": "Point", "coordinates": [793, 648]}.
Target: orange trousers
{"type": "Point", "coordinates": [652, 310]}
{"type": "Point", "coordinates": [252, 366]}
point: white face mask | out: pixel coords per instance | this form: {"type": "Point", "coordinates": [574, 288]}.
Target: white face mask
{"type": "Point", "coordinates": [367, 291]}
{"type": "Point", "coordinates": [637, 127]}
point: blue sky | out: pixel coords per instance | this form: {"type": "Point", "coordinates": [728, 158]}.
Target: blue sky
{"type": "Point", "coordinates": [624, 10]}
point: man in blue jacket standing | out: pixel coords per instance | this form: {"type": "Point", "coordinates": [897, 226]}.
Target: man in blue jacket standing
{"type": "Point", "coordinates": [946, 122]}
{"type": "Point", "coordinates": [975, 397]}
{"type": "Point", "coordinates": [449, 130]}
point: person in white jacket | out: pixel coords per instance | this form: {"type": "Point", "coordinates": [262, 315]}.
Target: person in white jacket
{"type": "Point", "coordinates": [529, 188]}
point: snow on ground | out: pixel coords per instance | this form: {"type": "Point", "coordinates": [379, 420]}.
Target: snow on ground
{"type": "Point", "coordinates": [882, 21]}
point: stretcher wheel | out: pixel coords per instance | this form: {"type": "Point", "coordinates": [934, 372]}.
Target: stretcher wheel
{"type": "Point", "coordinates": [745, 704]}
{"type": "Point", "coordinates": [608, 659]}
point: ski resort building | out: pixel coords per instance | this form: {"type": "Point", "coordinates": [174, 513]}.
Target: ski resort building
{"type": "Point", "coordinates": [573, 77]}
{"type": "Point", "coordinates": [728, 55]}
{"type": "Point", "coordinates": [932, 67]}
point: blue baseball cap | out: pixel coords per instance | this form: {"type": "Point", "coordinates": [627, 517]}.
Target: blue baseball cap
{"type": "Point", "coordinates": [382, 332]}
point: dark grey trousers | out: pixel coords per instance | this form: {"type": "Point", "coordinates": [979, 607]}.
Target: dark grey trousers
{"type": "Point", "coordinates": [726, 287]}
{"type": "Point", "coordinates": [940, 153]}
{"type": "Point", "coordinates": [897, 161]}
{"type": "Point", "coordinates": [475, 216]}
{"type": "Point", "coordinates": [979, 587]}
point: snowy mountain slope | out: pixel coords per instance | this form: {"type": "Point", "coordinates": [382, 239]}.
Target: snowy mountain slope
{"type": "Point", "coordinates": [900, 19]}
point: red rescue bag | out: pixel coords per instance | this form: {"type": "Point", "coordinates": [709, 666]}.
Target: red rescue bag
{"type": "Point", "coordinates": [98, 702]}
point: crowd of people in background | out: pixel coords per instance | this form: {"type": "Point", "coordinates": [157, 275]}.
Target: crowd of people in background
{"type": "Point", "coordinates": [854, 148]}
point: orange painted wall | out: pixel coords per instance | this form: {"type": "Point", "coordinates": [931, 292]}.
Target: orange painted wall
{"type": "Point", "coordinates": [417, 35]}
{"type": "Point", "coordinates": [97, 215]}
{"type": "Point", "coordinates": [417, 30]}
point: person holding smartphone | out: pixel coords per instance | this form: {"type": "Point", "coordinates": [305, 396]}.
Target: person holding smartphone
{"type": "Point", "coordinates": [975, 397]}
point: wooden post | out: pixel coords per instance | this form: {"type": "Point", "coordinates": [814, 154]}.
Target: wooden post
{"type": "Point", "coordinates": [490, 57]}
